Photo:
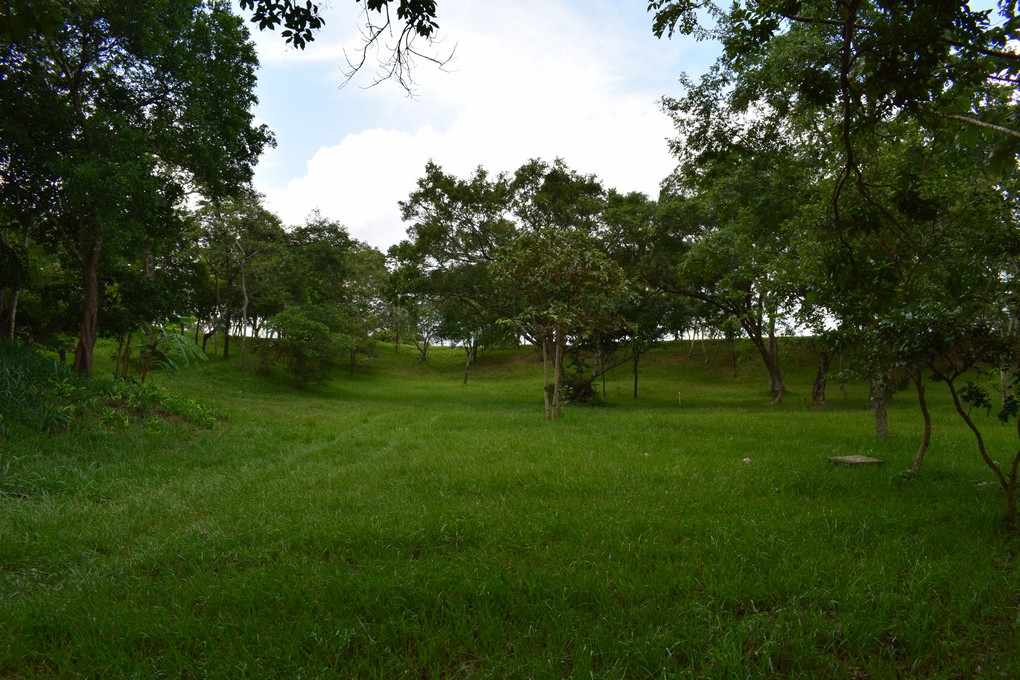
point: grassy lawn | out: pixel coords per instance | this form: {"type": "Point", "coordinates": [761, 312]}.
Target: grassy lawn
{"type": "Point", "coordinates": [398, 523]}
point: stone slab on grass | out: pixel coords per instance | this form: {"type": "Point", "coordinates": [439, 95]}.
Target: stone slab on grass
{"type": "Point", "coordinates": [855, 460]}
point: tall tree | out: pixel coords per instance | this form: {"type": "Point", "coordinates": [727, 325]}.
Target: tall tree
{"type": "Point", "coordinates": [137, 105]}
{"type": "Point", "coordinates": [557, 272]}
{"type": "Point", "coordinates": [456, 227]}
{"type": "Point", "coordinates": [728, 218]}
{"type": "Point", "coordinates": [942, 62]}
{"type": "Point", "coordinates": [237, 232]}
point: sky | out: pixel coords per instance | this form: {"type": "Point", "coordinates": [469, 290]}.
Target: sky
{"type": "Point", "coordinates": [575, 79]}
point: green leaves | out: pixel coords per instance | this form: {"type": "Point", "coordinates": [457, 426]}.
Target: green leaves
{"type": "Point", "coordinates": [39, 393]}
{"type": "Point", "coordinates": [300, 21]}
{"type": "Point", "coordinates": [308, 341]}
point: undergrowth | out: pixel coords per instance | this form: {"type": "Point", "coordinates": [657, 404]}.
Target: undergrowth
{"type": "Point", "coordinates": [39, 393]}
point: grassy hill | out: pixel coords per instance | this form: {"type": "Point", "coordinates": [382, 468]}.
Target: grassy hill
{"type": "Point", "coordinates": [399, 523]}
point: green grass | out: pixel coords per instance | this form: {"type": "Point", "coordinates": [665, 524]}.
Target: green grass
{"type": "Point", "coordinates": [399, 523]}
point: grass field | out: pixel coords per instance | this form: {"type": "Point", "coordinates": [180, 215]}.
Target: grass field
{"type": "Point", "coordinates": [400, 524]}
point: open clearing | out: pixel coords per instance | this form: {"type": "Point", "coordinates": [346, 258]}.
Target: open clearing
{"type": "Point", "coordinates": [399, 523]}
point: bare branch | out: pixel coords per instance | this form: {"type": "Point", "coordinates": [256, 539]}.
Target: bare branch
{"type": "Point", "coordinates": [399, 65]}
{"type": "Point", "coordinates": [980, 123]}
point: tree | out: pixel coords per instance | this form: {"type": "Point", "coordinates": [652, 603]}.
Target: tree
{"type": "Point", "coordinates": [961, 343]}
{"type": "Point", "coordinates": [317, 290]}
{"type": "Point", "coordinates": [645, 312]}
{"type": "Point", "coordinates": [557, 273]}
{"type": "Point", "coordinates": [727, 231]}
{"type": "Point", "coordinates": [27, 197]}
{"type": "Point", "coordinates": [939, 233]}
{"type": "Point", "coordinates": [316, 265]}
{"type": "Point", "coordinates": [308, 340]}
{"type": "Point", "coordinates": [427, 322]}
{"type": "Point", "coordinates": [565, 286]}
{"type": "Point", "coordinates": [363, 305]}
{"type": "Point", "coordinates": [136, 105]}
{"type": "Point", "coordinates": [940, 63]}
{"type": "Point", "coordinates": [237, 233]}
{"type": "Point", "coordinates": [455, 229]}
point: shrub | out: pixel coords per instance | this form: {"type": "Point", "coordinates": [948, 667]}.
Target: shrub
{"type": "Point", "coordinates": [30, 387]}
{"type": "Point", "coordinates": [41, 394]}
{"type": "Point", "coordinates": [306, 341]}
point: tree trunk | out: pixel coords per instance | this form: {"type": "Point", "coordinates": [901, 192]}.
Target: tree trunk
{"type": "Point", "coordinates": [922, 402]}
{"type": "Point", "coordinates": [88, 324]}
{"type": "Point", "coordinates": [546, 394]}
{"type": "Point", "coordinates": [1011, 520]}
{"type": "Point", "coordinates": [244, 308]}
{"type": "Point", "coordinates": [151, 341]}
{"type": "Point", "coordinates": [733, 353]}
{"type": "Point", "coordinates": [602, 373]}
{"type": "Point", "coordinates": [1007, 483]}
{"type": "Point", "coordinates": [821, 378]}
{"type": "Point", "coordinates": [560, 341]}
{"type": "Point", "coordinates": [226, 338]}
{"type": "Point", "coordinates": [120, 352]}
{"type": "Point", "coordinates": [205, 338]}
{"type": "Point", "coordinates": [9, 302]}
{"type": "Point", "coordinates": [354, 358]}
{"type": "Point", "coordinates": [125, 359]}
{"type": "Point", "coordinates": [637, 358]}
{"type": "Point", "coordinates": [879, 395]}
{"type": "Point", "coordinates": [8, 313]}
{"type": "Point", "coordinates": [776, 383]}
{"type": "Point", "coordinates": [471, 355]}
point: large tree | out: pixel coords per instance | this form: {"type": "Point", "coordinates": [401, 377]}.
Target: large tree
{"type": "Point", "coordinates": [455, 228]}
{"type": "Point", "coordinates": [907, 112]}
{"type": "Point", "coordinates": [728, 223]}
{"type": "Point", "coordinates": [136, 105]}
{"type": "Point", "coordinates": [941, 62]}
{"type": "Point", "coordinates": [240, 242]}
{"type": "Point", "coordinates": [557, 271]}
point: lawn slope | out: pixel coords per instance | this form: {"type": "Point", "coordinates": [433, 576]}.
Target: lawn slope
{"type": "Point", "coordinates": [399, 523]}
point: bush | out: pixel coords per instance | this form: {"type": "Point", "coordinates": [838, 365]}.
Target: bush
{"type": "Point", "coordinates": [39, 393]}
{"type": "Point", "coordinates": [30, 388]}
{"type": "Point", "coordinates": [307, 343]}
{"type": "Point", "coordinates": [145, 400]}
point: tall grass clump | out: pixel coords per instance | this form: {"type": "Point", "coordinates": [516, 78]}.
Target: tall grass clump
{"type": "Point", "coordinates": [30, 385]}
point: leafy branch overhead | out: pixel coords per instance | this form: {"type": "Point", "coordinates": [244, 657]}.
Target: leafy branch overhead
{"type": "Point", "coordinates": [406, 21]}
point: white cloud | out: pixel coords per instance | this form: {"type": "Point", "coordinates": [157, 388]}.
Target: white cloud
{"type": "Point", "coordinates": [532, 78]}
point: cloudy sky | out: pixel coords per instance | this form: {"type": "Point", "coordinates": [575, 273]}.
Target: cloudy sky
{"type": "Point", "coordinates": [577, 79]}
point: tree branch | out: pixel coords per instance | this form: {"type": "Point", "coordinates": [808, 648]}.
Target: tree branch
{"type": "Point", "coordinates": [980, 123]}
